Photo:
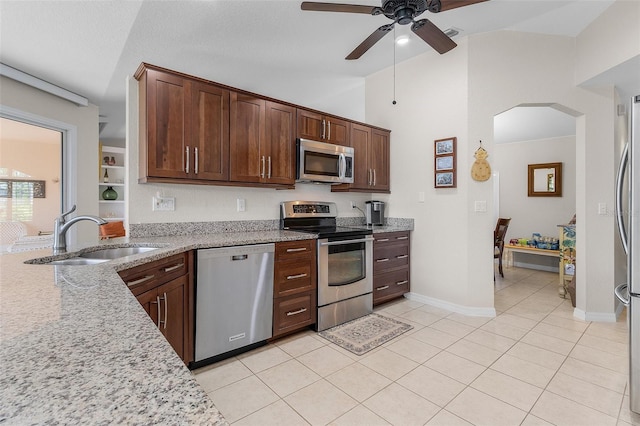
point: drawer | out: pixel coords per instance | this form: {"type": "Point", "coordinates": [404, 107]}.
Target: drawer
{"type": "Point", "coordinates": [294, 276]}
{"type": "Point", "coordinates": [291, 313]}
{"type": "Point", "coordinates": [390, 238]}
{"type": "Point", "coordinates": [150, 275]}
{"type": "Point", "coordinates": [391, 284]}
{"type": "Point", "coordinates": [390, 256]}
{"type": "Point", "coordinates": [290, 249]}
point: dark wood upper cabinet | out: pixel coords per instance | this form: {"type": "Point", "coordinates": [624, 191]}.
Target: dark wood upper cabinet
{"type": "Point", "coordinates": [209, 132]}
{"type": "Point", "coordinates": [323, 128]}
{"type": "Point", "coordinates": [196, 131]}
{"type": "Point", "coordinates": [262, 141]}
{"type": "Point", "coordinates": [163, 125]}
{"type": "Point", "coordinates": [371, 160]}
{"type": "Point", "coordinates": [185, 124]}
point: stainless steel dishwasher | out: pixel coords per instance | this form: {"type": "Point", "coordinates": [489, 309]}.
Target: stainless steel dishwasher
{"type": "Point", "coordinates": [234, 300]}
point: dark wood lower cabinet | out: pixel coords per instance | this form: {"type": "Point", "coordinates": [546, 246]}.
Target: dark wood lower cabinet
{"type": "Point", "coordinates": [164, 288]}
{"type": "Point", "coordinates": [390, 266]}
{"type": "Point", "coordinates": [294, 286]}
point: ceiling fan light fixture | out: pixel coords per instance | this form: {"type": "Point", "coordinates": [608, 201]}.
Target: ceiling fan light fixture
{"type": "Point", "coordinates": [402, 40]}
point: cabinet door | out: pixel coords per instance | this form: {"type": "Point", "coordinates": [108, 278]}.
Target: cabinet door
{"type": "Point", "coordinates": [379, 160]}
{"type": "Point", "coordinates": [173, 315]}
{"type": "Point", "coordinates": [281, 143]}
{"type": "Point", "coordinates": [361, 141]}
{"type": "Point", "coordinates": [337, 131]}
{"type": "Point", "coordinates": [209, 132]}
{"type": "Point", "coordinates": [309, 125]}
{"type": "Point", "coordinates": [166, 122]}
{"type": "Point", "coordinates": [149, 302]}
{"type": "Point", "coordinates": [246, 163]}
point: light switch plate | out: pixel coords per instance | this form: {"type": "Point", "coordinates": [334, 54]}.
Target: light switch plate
{"type": "Point", "coordinates": [480, 206]}
{"type": "Point", "coordinates": [241, 204]}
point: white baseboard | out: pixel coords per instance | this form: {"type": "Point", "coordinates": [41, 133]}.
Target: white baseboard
{"type": "Point", "coordinates": [594, 316]}
{"type": "Point", "coordinates": [465, 310]}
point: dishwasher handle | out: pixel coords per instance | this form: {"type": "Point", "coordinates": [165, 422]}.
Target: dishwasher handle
{"type": "Point", "coordinates": [240, 257]}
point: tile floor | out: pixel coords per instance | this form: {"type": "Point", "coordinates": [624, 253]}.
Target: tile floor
{"type": "Point", "coordinates": [533, 364]}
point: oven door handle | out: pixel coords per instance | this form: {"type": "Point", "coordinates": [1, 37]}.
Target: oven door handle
{"type": "Point", "coordinates": [341, 242]}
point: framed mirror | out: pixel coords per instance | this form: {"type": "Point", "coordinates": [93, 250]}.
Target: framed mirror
{"type": "Point", "coordinates": [545, 180]}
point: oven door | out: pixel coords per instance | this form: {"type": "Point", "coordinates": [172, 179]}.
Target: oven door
{"type": "Point", "coordinates": [345, 268]}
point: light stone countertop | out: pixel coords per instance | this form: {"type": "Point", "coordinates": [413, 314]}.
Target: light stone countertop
{"type": "Point", "coordinates": [76, 347]}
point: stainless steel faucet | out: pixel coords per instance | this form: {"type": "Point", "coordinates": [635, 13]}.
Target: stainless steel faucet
{"type": "Point", "coordinates": [61, 226]}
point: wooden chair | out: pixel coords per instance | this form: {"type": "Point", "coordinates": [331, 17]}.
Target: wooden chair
{"type": "Point", "coordinates": [498, 237]}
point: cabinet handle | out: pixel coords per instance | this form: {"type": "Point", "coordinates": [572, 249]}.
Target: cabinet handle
{"type": "Point", "coordinates": [262, 167]}
{"type": "Point", "coordinates": [292, 250]}
{"type": "Point", "coordinates": [369, 177]}
{"type": "Point", "coordinates": [323, 129]}
{"type": "Point", "coordinates": [403, 282]}
{"type": "Point", "coordinates": [195, 154]}
{"type": "Point", "coordinates": [295, 277]}
{"type": "Point", "coordinates": [329, 126]}
{"type": "Point", "coordinates": [164, 297]}
{"type": "Point", "coordinates": [157, 302]}
{"type": "Point", "coordinates": [141, 280]}
{"type": "Point", "coordinates": [386, 259]}
{"type": "Point", "coordinates": [402, 238]}
{"type": "Point", "coordinates": [299, 311]}
{"type": "Point", "coordinates": [382, 240]}
{"type": "Point", "coordinates": [174, 267]}
{"type": "Point", "coordinates": [382, 288]}
{"type": "Point", "coordinates": [269, 168]}
{"type": "Point", "coordinates": [402, 256]}
{"type": "Point", "coordinates": [186, 169]}
{"type": "Point", "coordinates": [374, 177]}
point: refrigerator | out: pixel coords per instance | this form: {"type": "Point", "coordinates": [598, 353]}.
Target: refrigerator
{"type": "Point", "coordinates": [629, 229]}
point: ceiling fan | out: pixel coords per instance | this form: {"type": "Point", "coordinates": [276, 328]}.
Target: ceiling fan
{"type": "Point", "coordinates": [400, 12]}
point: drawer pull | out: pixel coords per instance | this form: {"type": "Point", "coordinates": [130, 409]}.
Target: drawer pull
{"type": "Point", "coordinates": [295, 277]}
{"type": "Point", "coordinates": [141, 280]}
{"type": "Point", "coordinates": [382, 240]}
{"type": "Point", "coordinates": [386, 259]}
{"type": "Point", "coordinates": [403, 282]}
{"type": "Point", "coordinates": [299, 311]}
{"type": "Point", "coordinates": [384, 287]}
{"type": "Point", "coordinates": [293, 250]}
{"type": "Point", "coordinates": [174, 267]}
{"type": "Point", "coordinates": [402, 256]}
{"type": "Point", "coordinates": [402, 238]}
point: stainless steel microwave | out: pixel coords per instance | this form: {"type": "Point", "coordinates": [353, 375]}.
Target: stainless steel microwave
{"type": "Point", "coordinates": [323, 162]}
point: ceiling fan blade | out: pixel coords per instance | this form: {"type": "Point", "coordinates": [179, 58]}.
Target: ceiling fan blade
{"type": "Point", "coordinates": [370, 41]}
{"type": "Point", "coordinates": [426, 30]}
{"type": "Point", "coordinates": [336, 7]}
{"type": "Point", "coordinates": [436, 6]}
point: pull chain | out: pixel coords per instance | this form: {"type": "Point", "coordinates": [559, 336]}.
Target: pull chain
{"type": "Point", "coordinates": [394, 65]}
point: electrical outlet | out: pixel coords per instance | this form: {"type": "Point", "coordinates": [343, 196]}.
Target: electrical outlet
{"type": "Point", "coordinates": [164, 203]}
{"type": "Point", "coordinates": [241, 204]}
{"type": "Point", "coordinates": [353, 204]}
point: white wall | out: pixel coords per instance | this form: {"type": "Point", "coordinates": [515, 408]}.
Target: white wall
{"type": "Point", "coordinates": [457, 94]}
{"type": "Point", "coordinates": [84, 120]}
{"type": "Point", "coordinates": [535, 214]}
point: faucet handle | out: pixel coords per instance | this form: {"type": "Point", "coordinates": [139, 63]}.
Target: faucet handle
{"type": "Point", "coordinates": [62, 217]}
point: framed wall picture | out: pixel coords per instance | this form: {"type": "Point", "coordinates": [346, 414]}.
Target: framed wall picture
{"type": "Point", "coordinates": [445, 163]}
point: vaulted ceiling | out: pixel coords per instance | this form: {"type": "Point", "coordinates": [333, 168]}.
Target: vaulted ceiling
{"type": "Point", "coordinates": [90, 47]}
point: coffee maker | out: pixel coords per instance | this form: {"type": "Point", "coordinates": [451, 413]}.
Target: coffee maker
{"type": "Point", "coordinates": [374, 213]}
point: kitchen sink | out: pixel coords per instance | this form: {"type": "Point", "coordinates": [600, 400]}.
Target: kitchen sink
{"type": "Point", "coordinates": [115, 253]}
{"type": "Point", "coordinates": [92, 257]}
{"type": "Point", "coordinates": [76, 261]}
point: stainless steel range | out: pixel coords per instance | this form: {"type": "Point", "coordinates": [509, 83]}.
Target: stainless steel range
{"type": "Point", "coordinates": [345, 261]}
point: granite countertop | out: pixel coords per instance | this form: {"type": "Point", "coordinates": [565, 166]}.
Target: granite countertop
{"type": "Point", "coordinates": [76, 347]}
